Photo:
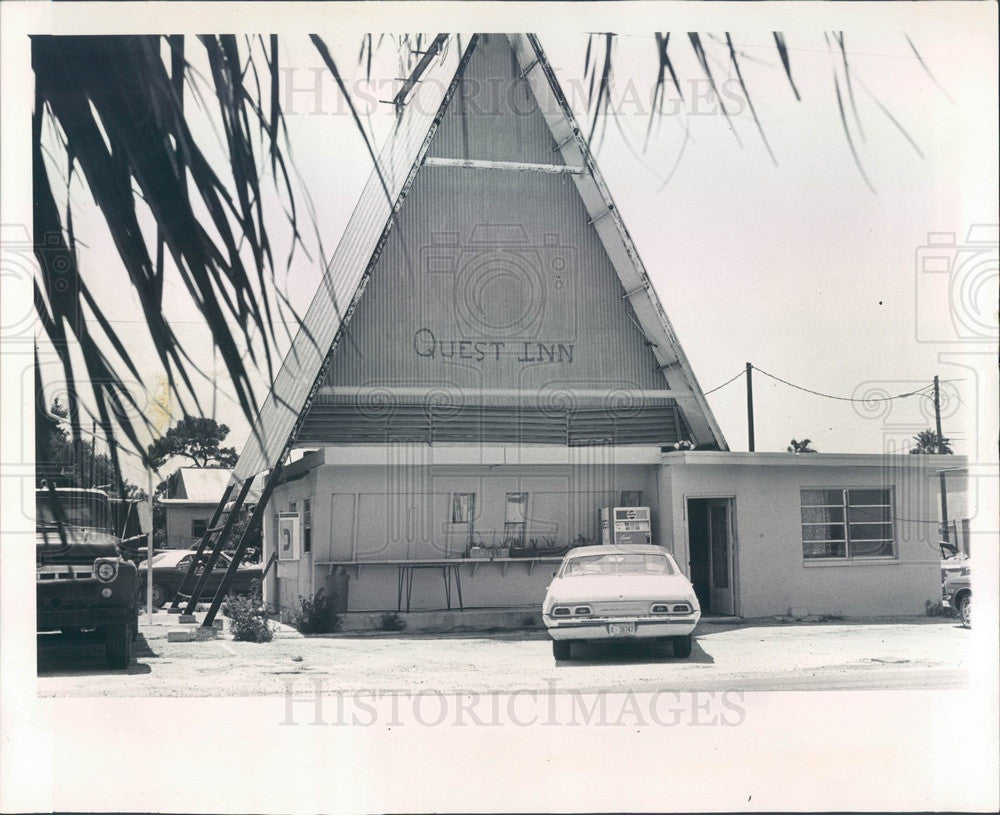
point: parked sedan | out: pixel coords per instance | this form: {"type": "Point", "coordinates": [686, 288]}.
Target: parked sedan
{"type": "Point", "coordinates": [170, 567]}
{"type": "Point", "coordinates": [956, 588]}
{"type": "Point", "coordinates": [620, 592]}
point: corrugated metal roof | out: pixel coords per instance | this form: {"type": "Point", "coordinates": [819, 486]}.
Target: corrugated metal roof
{"type": "Point", "coordinates": [361, 243]}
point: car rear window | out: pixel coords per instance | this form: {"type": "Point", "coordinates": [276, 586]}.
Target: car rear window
{"type": "Point", "coordinates": [617, 564]}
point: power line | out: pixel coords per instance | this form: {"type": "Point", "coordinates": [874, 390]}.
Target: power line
{"type": "Point", "coordinates": [728, 381]}
{"type": "Point", "coordinates": [866, 400]}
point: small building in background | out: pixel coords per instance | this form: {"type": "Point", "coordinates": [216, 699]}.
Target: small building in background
{"type": "Point", "coordinates": [190, 500]}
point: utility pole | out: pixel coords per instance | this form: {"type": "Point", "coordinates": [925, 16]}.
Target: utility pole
{"type": "Point", "coordinates": [942, 479]}
{"type": "Point", "coordinates": [93, 452]}
{"type": "Point", "coordinates": [750, 440]}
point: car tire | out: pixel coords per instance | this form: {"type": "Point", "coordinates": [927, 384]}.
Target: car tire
{"type": "Point", "coordinates": [160, 596]}
{"type": "Point", "coordinates": [118, 645]}
{"type": "Point", "coordinates": [682, 646]}
{"type": "Point", "coordinates": [965, 610]}
{"type": "Point", "coordinates": [561, 649]}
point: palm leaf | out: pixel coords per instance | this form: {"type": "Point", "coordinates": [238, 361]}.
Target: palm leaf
{"type": "Point", "coordinates": [699, 51]}
{"type": "Point", "coordinates": [119, 88]}
{"type": "Point", "coordinates": [779, 42]}
{"type": "Point", "coordinates": [746, 93]}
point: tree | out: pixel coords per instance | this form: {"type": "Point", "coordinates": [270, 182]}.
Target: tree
{"type": "Point", "coordinates": [196, 438]}
{"type": "Point", "coordinates": [800, 446]}
{"type": "Point", "coordinates": [72, 464]}
{"type": "Point", "coordinates": [928, 441]}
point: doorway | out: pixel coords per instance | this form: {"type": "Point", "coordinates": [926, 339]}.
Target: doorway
{"type": "Point", "coordinates": [710, 547]}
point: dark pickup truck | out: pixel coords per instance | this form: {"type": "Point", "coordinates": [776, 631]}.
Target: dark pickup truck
{"type": "Point", "coordinates": [82, 581]}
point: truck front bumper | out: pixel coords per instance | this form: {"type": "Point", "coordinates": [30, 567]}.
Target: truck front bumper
{"type": "Point", "coordinates": [83, 604]}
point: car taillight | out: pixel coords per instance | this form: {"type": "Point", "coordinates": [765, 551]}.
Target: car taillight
{"type": "Point", "coordinates": [106, 570]}
{"type": "Point", "coordinates": [670, 608]}
{"type": "Point", "coordinates": [581, 610]}
{"type": "Point", "coordinates": [561, 611]}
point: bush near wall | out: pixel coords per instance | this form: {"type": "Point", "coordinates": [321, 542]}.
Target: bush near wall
{"type": "Point", "coordinates": [316, 615]}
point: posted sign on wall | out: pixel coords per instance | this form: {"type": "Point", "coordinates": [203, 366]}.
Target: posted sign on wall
{"type": "Point", "coordinates": [288, 536]}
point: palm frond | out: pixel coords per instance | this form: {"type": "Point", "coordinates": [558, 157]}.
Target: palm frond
{"type": "Point", "coordinates": [746, 93]}
{"type": "Point", "coordinates": [927, 70]}
{"type": "Point", "coordinates": [119, 89]}
{"type": "Point", "coordinates": [839, 37]}
{"type": "Point", "coordinates": [699, 52]}
{"type": "Point", "coordinates": [331, 66]}
{"type": "Point", "coordinates": [847, 134]}
{"type": "Point", "coordinates": [779, 42]}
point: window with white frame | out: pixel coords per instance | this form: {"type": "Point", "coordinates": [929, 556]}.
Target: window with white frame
{"type": "Point", "coordinates": [847, 524]}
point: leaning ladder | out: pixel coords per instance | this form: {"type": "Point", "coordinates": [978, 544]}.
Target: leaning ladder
{"type": "Point", "coordinates": [219, 531]}
{"type": "Point", "coordinates": [214, 541]}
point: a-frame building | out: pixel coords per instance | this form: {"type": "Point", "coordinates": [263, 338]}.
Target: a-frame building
{"type": "Point", "coordinates": [485, 258]}
{"type": "Point", "coordinates": [484, 367]}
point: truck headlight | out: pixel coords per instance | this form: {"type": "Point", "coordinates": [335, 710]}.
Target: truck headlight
{"type": "Point", "coordinates": [106, 570]}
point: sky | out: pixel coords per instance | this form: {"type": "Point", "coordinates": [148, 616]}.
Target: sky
{"type": "Point", "coordinates": [794, 265]}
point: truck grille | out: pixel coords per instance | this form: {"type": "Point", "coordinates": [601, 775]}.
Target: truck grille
{"type": "Point", "coordinates": [64, 572]}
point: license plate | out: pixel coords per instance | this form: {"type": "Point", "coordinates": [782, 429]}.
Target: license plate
{"type": "Point", "coordinates": [621, 629]}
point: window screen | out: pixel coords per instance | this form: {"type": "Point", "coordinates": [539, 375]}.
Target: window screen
{"type": "Point", "coordinates": [847, 523]}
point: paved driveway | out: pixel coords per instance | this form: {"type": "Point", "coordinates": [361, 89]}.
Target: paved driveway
{"type": "Point", "coordinates": [917, 654]}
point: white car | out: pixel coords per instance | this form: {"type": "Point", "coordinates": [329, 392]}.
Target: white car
{"type": "Point", "coordinates": [620, 592]}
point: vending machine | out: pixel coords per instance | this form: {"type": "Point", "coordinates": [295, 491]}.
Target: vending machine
{"type": "Point", "coordinates": [625, 525]}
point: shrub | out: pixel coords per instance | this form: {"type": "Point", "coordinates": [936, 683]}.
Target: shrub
{"type": "Point", "coordinates": [391, 621]}
{"type": "Point", "coordinates": [935, 608]}
{"type": "Point", "coordinates": [248, 619]}
{"type": "Point", "coordinates": [316, 615]}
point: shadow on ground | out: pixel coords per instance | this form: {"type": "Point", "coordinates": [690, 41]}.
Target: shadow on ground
{"type": "Point", "coordinates": [637, 652]}
{"type": "Point", "coordinates": [82, 654]}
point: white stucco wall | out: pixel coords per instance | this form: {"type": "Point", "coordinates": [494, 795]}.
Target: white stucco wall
{"type": "Point", "coordinates": [773, 576]}
{"type": "Point", "coordinates": [403, 512]}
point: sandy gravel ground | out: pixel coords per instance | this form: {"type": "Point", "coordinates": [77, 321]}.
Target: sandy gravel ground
{"type": "Point", "coordinates": [914, 654]}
